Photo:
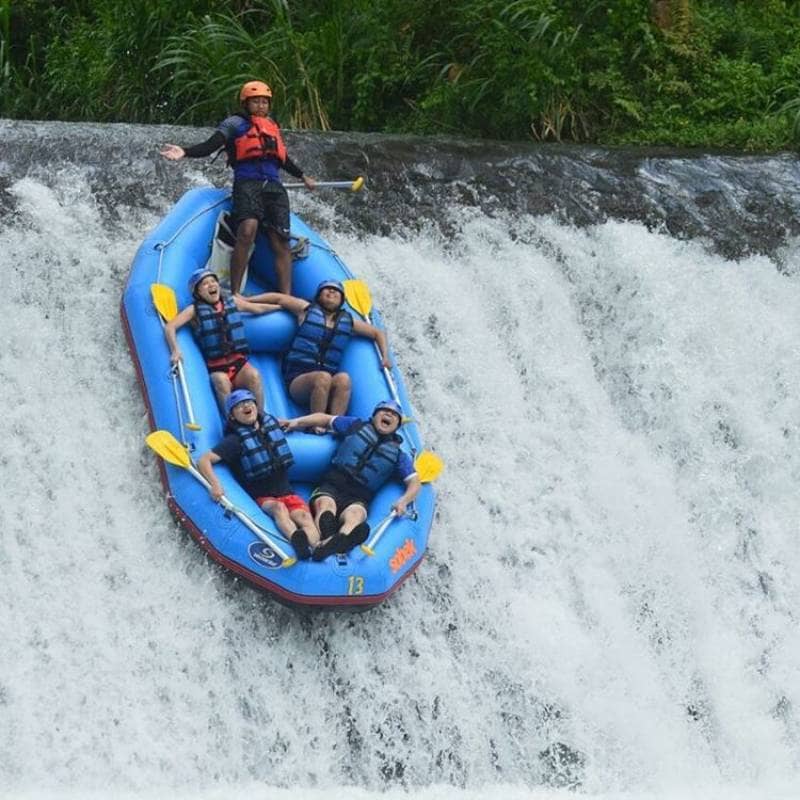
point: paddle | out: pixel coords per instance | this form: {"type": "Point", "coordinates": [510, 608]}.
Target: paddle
{"type": "Point", "coordinates": [167, 305]}
{"type": "Point", "coordinates": [357, 295]}
{"type": "Point", "coordinates": [353, 186]}
{"type": "Point", "coordinates": [171, 450]}
{"type": "Point", "coordinates": [428, 466]}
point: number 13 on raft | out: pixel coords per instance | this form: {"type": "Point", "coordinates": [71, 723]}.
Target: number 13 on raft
{"type": "Point", "coordinates": [355, 584]}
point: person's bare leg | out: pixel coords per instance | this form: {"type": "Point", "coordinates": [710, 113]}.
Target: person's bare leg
{"type": "Point", "coordinates": [283, 261]}
{"type": "Point", "coordinates": [354, 529]}
{"type": "Point", "coordinates": [246, 232]}
{"type": "Point", "coordinates": [280, 514]}
{"type": "Point", "coordinates": [321, 392]}
{"type": "Point", "coordinates": [341, 388]}
{"type": "Point", "coordinates": [312, 388]}
{"type": "Point", "coordinates": [353, 515]}
{"type": "Point", "coordinates": [222, 387]}
{"type": "Point", "coordinates": [303, 520]}
{"type": "Point", "coordinates": [325, 504]}
{"type": "Point", "coordinates": [250, 378]}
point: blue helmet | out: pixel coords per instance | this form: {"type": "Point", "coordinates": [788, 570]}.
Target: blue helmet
{"type": "Point", "coordinates": [389, 405]}
{"type": "Point", "coordinates": [236, 397]}
{"type": "Point", "coordinates": [197, 276]}
{"type": "Point", "coordinates": [331, 284]}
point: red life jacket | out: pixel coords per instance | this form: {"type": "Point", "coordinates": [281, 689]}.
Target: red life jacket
{"type": "Point", "coordinates": [261, 140]}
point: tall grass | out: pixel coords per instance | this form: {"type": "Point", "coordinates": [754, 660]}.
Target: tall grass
{"type": "Point", "coordinates": [685, 72]}
{"type": "Point", "coordinates": [6, 65]}
{"type": "Point", "coordinates": [206, 64]}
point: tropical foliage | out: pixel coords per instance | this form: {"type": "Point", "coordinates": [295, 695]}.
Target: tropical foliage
{"type": "Point", "coordinates": [708, 73]}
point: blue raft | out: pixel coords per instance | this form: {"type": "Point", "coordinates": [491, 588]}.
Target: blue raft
{"type": "Point", "coordinates": [181, 243]}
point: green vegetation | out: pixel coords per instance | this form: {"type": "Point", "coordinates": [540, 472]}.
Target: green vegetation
{"type": "Point", "coordinates": [704, 73]}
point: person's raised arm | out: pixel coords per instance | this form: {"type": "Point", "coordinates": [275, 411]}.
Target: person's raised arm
{"type": "Point", "coordinates": [175, 152]}
{"type": "Point", "coordinates": [296, 172]}
{"type": "Point", "coordinates": [413, 485]}
{"type": "Point", "coordinates": [317, 419]}
{"type": "Point", "coordinates": [245, 304]}
{"type": "Point", "coordinates": [204, 466]}
{"type": "Point", "coordinates": [172, 152]}
{"type": "Point", "coordinates": [288, 302]}
{"type": "Point", "coordinates": [171, 332]}
{"type": "Point", "coordinates": [378, 336]}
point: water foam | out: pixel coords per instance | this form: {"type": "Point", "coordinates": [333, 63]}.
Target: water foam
{"type": "Point", "coordinates": [610, 592]}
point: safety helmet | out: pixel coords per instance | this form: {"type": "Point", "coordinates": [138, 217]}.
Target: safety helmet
{"type": "Point", "coordinates": [197, 276]}
{"type": "Point", "coordinates": [254, 89]}
{"type": "Point", "coordinates": [236, 397]}
{"type": "Point", "coordinates": [330, 284]}
{"type": "Point", "coordinates": [388, 405]}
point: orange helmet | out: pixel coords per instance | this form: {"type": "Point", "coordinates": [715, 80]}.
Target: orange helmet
{"type": "Point", "coordinates": [254, 89]}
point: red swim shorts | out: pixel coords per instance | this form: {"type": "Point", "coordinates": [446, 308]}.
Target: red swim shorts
{"type": "Point", "coordinates": [293, 502]}
{"type": "Point", "coordinates": [230, 365]}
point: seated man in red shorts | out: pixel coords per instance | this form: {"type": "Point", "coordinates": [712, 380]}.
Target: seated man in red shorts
{"type": "Point", "coordinates": [218, 328]}
{"type": "Point", "coordinates": [257, 452]}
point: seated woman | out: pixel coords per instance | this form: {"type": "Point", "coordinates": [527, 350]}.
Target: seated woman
{"type": "Point", "coordinates": [218, 328]}
{"type": "Point", "coordinates": [311, 365]}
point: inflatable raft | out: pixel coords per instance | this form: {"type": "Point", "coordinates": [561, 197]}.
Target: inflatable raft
{"type": "Point", "coordinates": [186, 420]}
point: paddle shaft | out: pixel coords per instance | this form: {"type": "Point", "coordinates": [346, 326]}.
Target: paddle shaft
{"type": "Point", "coordinates": [181, 423]}
{"type": "Point", "coordinates": [369, 547]}
{"type": "Point", "coordinates": [321, 185]}
{"type": "Point", "coordinates": [166, 304]}
{"type": "Point", "coordinates": [228, 506]}
{"type": "Point", "coordinates": [386, 374]}
{"type": "Point", "coordinates": [191, 424]}
{"type": "Point", "coordinates": [396, 397]}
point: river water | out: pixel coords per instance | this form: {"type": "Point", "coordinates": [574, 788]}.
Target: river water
{"type": "Point", "coordinates": [603, 348]}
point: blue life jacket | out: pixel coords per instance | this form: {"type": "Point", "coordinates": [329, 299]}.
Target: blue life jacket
{"type": "Point", "coordinates": [368, 457]}
{"type": "Point", "coordinates": [265, 450]}
{"type": "Point", "coordinates": [316, 346]}
{"type": "Point", "coordinates": [219, 333]}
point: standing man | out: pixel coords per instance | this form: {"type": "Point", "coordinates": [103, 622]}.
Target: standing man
{"type": "Point", "coordinates": [257, 153]}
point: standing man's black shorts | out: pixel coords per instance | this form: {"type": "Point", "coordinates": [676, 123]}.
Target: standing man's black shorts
{"type": "Point", "coordinates": [267, 202]}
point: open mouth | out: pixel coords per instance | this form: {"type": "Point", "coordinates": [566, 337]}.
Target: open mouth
{"type": "Point", "coordinates": [247, 411]}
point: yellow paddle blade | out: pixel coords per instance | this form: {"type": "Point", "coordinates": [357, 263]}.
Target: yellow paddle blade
{"type": "Point", "coordinates": [169, 448]}
{"type": "Point", "coordinates": [164, 300]}
{"type": "Point", "coordinates": [358, 184]}
{"type": "Point", "coordinates": [428, 466]}
{"type": "Point", "coordinates": [358, 296]}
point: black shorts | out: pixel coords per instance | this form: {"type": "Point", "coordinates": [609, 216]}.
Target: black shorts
{"type": "Point", "coordinates": [296, 373]}
{"type": "Point", "coordinates": [342, 490]}
{"type": "Point", "coordinates": [267, 202]}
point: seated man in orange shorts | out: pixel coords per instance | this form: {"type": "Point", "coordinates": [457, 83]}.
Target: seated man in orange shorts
{"type": "Point", "coordinates": [257, 452]}
{"type": "Point", "coordinates": [218, 328]}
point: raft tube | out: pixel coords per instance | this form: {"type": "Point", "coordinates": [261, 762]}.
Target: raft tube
{"type": "Point", "coordinates": [181, 243]}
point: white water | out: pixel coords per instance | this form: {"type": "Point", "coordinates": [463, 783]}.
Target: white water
{"type": "Point", "coordinates": [614, 566]}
